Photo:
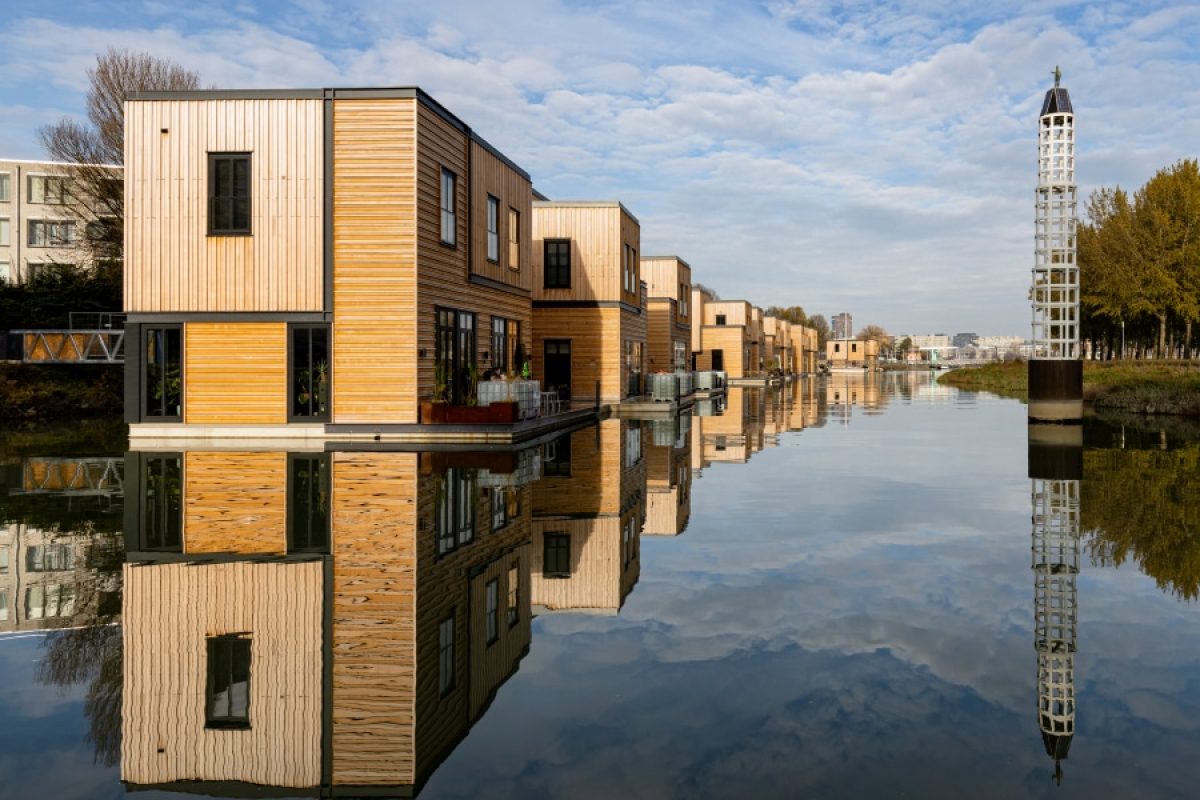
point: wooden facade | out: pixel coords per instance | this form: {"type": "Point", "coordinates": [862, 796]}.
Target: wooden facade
{"type": "Point", "coordinates": [598, 320]}
{"type": "Point", "coordinates": [352, 686]}
{"type": "Point", "coordinates": [668, 313]}
{"type": "Point", "coordinates": [852, 353]}
{"type": "Point", "coordinates": [668, 448]}
{"type": "Point", "coordinates": [729, 338]}
{"type": "Point", "coordinates": [347, 229]}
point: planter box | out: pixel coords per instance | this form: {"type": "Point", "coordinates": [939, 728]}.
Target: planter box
{"type": "Point", "coordinates": [504, 413]}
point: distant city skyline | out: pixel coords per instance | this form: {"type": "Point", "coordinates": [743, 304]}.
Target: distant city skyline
{"type": "Point", "coordinates": [880, 158]}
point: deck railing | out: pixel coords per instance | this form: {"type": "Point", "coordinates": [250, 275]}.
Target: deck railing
{"type": "Point", "coordinates": [96, 346]}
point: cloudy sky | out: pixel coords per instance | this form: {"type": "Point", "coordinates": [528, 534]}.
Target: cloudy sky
{"type": "Point", "coordinates": [877, 158]}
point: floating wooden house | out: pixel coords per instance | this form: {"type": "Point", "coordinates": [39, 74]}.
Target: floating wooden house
{"type": "Point", "coordinates": [333, 622]}
{"type": "Point", "coordinates": [589, 326]}
{"type": "Point", "coordinates": [727, 342]}
{"type": "Point", "coordinates": [301, 262]}
{"type": "Point", "coordinates": [668, 313]}
{"type": "Point", "coordinates": [668, 447]}
{"type": "Point", "coordinates": [852, 353]}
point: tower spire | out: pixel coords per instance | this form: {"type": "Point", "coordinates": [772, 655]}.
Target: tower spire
{"type": "Point", "coordinates": [1057, 76]}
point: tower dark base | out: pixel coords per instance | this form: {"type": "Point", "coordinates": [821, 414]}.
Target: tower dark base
{"type": "Point", "coordinates": [1055, 391]}
{"type": "Point", "coordinates": [1055, 452]}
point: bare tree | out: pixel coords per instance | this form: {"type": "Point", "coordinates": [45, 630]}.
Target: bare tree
{"type": "Point", "coordinates": [706, 289]}
{"type": "Point", "coordinates": [95, 148]}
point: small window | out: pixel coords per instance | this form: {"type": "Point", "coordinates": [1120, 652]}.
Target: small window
{"type": "Point", "coordinates": [229, 194]}
{"type": "Point", "coordinates": [720, 319]}
{"type": "Point", "coordinates": [557, 461]}
{"type": "Point", "coordinates": [837, 348]}
{"type": "Point", "coordinates": [558, 263]}
{"type": "Point", "coordinates": [47, 601]}
{"type": "Point", "coordinates": [854, 348]}
{"type": "Point", "coordinates": [5, 232]}
{"type": "Point", "coordinates": [4, 560]}
{"type": "Point", "coordinates": [446, 655]}
{"type": "Point", "coordinates": [49, 189]}
{"type": "Point", "coordinates": [310, 372]}
{"type": "Point", "coordinates": [162, 504]}
{"type": "Point", "coordinates": [514, 239]}
{"type": "Point", "coordinates": [449, 215]}
{"type": "Point", "coordinates": [492, 614]}
{"type": "Point", "coordinates": [556, 555]}
{"type": "Point", "coordinates": [514, 596]}
{"type": "Point", "coordinates": [163, 373]}
{"type": "Point", "coordinates": [493, 229]}
{"type": "Point", "coordinates": [3, 605]}
{"type": "Point", "coordinates": [53, 557]}
{"type": "Point", "coordinates": [51, 233]}
{"type": "Point", "coordinates": [308, 503]}
{"type": "Point", "coordinates": [228, 696]}
{"type": "Point", "coordinates": [5, 187]}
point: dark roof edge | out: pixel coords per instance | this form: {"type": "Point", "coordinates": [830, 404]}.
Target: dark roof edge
{"type": "Point", "coordinates": [665, 258]}
{"type": "Point", "coordinates": [399, 92]}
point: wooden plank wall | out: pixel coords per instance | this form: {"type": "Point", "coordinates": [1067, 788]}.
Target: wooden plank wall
{"type": "Point", "coordinates": [596, 237]}
{"type": "Point", "coordinates": [235, 372]}
{"type": "Point", "coordinates": [375, 257]}
{"type": "Point", "coordinates": [633, 328]}
{"type": "Point", "coordinates": [596, 354]}
{"type": "Point", "coordinates": [660, 334]}
{"type": "Point", "coordinates": [171, 264]}
{"type": "Point", "coordinates": [670, 277]}
{"type": "Point", "coordinates": [594, 485]}
{"type": "Point", "coordinates": [631, 234]}
{"type": "Point", "coordinates": [374, 618]}
{"type": "Point", "coordinates": [492, 176]}
{"type": "Point", "coordinates": [729, 339]}
{"type": "Point", "coordinates": [595, 580]}
{"type": "Point", "coordinates": [169, 610]}
{"type": "Point", "coordinates": [492, 664]}
{"type": "Point", "coordinates": [236, 502]}
{"type": "Point", "coordinates": [737, 312]}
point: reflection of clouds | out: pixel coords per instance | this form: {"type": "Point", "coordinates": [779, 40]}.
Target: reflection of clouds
{"type": "Point", "coordinates": [21, 695]}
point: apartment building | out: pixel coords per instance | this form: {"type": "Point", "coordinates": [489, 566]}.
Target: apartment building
{"type": "Point", "coordinates": [668, 313]}
{"type": "Point", "coordinates": [728, 340]}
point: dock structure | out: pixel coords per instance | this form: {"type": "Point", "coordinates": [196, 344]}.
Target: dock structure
{"type": "Point", "coordinates": [1056, 367]}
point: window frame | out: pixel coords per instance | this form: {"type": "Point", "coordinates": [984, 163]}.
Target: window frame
{"type": "Point", "coordinates": [59, 198]}
{"type": "Point", "coordinates": [514, 239]}
{"type": "Point", "coordinates": [160, 523]}
{"type": "Point", "coordinates": [562, 271]}
{"type": "Point", "coordinates": [721, 319]}
{"type": "Point", "coordinates": [493, 229]}
{"type": "Point", "coordinates": [51, 233]}
{"type": "Point", "coordinates": [229, 721]}
{"type": "Point", "coordinates": [446, 666]}
{"type": "Point", "coordinates": [213, 198]}
{"type": "Point", "coordinates": [491, 612]}
{"type": "Point", "coordinates": [513, 612]}
{"type": "Point", "coordinates": [558, 543]}
{"type": "Point", "coordinates": [145, 374]}
{"type": "Point", "coordinates": [294, 329]}
{"type": "Point", "coordinates": [448, 206]}
{"type": "Point", "coordinates": [5, 231]}
{"type": "Point", "coordinates": [300, 516]}
{"type": "Point", "coordinates": [5, 186]}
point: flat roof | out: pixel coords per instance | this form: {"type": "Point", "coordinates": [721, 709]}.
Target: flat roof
{"type": "Point", "coordinates": [585, 204]}
{"type": "Point", "coordinates": [348, 93]}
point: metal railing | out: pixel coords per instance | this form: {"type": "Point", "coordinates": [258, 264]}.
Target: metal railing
{"type": "Point", "coordinates": [94, 346]}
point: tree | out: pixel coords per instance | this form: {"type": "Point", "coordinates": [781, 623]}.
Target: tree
{"type": "Point", "coordinates": [93, 149]}
{"type": "Point", "coordinates": [707, 290]}
{"type": "Point", "coordinates": [819, 323]}
{"type": "Point", "coordinates": [904, 346]}
{"type": "Point", "coordinates": [792, 314]}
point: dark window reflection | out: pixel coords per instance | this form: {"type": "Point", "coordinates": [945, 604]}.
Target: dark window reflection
{"type": "Point", "coordinates": [556, 555]}
{"type": "Point", "coordinates": [162, 510]}
{"type": "Point", "coordinates": [228, 701]}
{"type": "Point", "coordinates": [308, 503]}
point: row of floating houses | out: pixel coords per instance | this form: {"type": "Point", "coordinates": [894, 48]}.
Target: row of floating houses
{"type": "Point", "coordinates": [411, 581]}
{"type": "Point", "coordinates": [346, 263]}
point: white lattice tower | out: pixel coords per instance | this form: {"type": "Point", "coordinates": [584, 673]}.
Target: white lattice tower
{"type": "Point", "coordinates": [1055, 291]}
{"type": "Point", "coordinates": [1055, 569]}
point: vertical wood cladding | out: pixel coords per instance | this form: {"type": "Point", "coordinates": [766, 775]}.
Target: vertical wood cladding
{"type": "Point", "coordinates": [169, 611]}
{"type": "Point", "coordinates": [171, 263]}
{"type": "Point", "coordinates": [236, 502]}
{"type": "Point", "coordinates": [235, 372]}
{"type": "Point", "coordinates": [375, 205]}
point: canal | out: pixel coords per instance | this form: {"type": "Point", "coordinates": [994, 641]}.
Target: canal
{"type": "Point", "coordinates": [847, 587]}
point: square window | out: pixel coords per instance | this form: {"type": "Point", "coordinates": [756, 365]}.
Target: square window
{"type": "Point", "coordinates": [228, 698]}
{"type": "Point", "coordinates": [556, 555]}
{"type": "Point", "coordinates": [229, 194]}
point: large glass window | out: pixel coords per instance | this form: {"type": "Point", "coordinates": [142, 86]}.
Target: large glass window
{"type": "Point", "coordinates": [162, 503]}
{"type": "Point", "coordinates": [51, 233]}
{"type": "Point", "coordinates": [229, 194]}
{"type": "Point", "coordinates": [310, 372]}
{"type": "Point", "coordinates": [454, 362]}
{"type": "Point", "coordinates": [446, 655]}
{"type": "Point", "coordinates": [493, 228]}
{"type": "Point", "coordinates": [556, 555]}
{"type": "Point", "coordinates": [308, 503]}
{"type": "Point", "coordinates": [164, 373]}
{"type": "Point", "coordinates": [506, 345]}
{"type": "Point", "coordinates": [228, 695]}
{"type": "Point", "coordinates": [52, 557]}
{"type": "Point", "coordinates": [449, 204]}
{"type": "Point", "coordinates": [514, 239]}
{"type": "Point", "coordinates": [505, 507]}
{"type": "Point", "coordinates": [557, 260]}
{"type": "Point", "coordinates": [51, 600]}
{"type": "Point", "coordinates": [454, 523]}
{"type": "Point", "coordinates": [49, 189]}
{"type": "Point", "coordinates": [492, 615]}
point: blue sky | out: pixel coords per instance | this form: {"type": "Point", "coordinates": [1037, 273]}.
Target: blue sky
{"type": "Point", "coordinates": [877, 158]}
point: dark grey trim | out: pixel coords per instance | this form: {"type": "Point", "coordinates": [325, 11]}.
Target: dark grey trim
{"type": "Point", "coordinates": [224, 789]}
{"type": "Point", "coordinates": [291, 377]}
{"type": "Point", "coordinates": [500, 286]}
{"type": "Point", "coordinates": [479, 140]}
{"type": "Point", "coordinates": [327, 202]}
{"type": "Point", "coordinates": [327, 666]}
{"type": "Point", "coordinates": [165, 317]}
{"type": "Point", "coordinates": [588, 304]}
{"type": "Point", "coordinates": [540, 197]}
{"type": "Point", "coordinates": [132, 512]}
{"type": "Point", "coordinates": [148, 559]}
{"type": "Point", "coordinates": [133, 373]}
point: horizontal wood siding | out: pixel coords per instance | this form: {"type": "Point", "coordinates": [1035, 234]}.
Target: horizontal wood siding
{"type": "Point", "coordinates": [731, 341]}
{"type": "Point", "coordinates": [593, 487]}
{"type": "Point", "coordinates": [375, 260]}
{"type": "Point", "coordinates": [491, 176]}
{"type": "Point", "coordinates": [169, 611]}
{"type": "Point", "coordinates": [374, 618]}
{"type": "Point", "coordinates": [171, 263]}
{"type": "Point", "coordinates": [235, 502]}
{"type": "Point", "coordinates": [492, 663]}
{"type": "Point", "coordinates": [660, 317]}
{"type": "Point", "coordinates": [235, 373]}
{"type": "Point", "coordinates": [596, 348]}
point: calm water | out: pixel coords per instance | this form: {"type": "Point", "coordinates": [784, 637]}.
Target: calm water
{"type": "Point", "coordinates": [841, 589]}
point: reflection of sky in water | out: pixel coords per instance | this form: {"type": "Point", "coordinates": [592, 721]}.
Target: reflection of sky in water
{"type": "Point", "coordinates": [849, 614]}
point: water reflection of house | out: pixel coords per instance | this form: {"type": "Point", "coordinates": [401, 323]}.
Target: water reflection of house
{"type": "Point", "coordinates": [736, 433]}
{"type": "Point", "coordinates": [844, 390]}
{"type": "Point", "coordinates": [668, 475]}
{"type": "Point", "coordinates": [802, 410]}
{"type": "Point", "coordinates": [588, 512]}
{"type": "Point", "coordinates": [46, 580]}
{"type": "Point", "coordinates": [320, 621]}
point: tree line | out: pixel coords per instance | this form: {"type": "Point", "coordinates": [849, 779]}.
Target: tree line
{"type": "Point", "coordinates": [1139, 267]}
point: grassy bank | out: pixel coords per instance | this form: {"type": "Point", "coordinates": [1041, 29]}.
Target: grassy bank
{"type": "Point", "coordinates": [30, 393]}
{"type": "Point", "coordinates": [1137, 387]}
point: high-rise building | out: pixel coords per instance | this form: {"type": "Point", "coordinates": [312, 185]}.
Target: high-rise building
{"type": "Point", "coordinates": [1056, 370]}
{"type": "Point", "coordinates": [843, 326]}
